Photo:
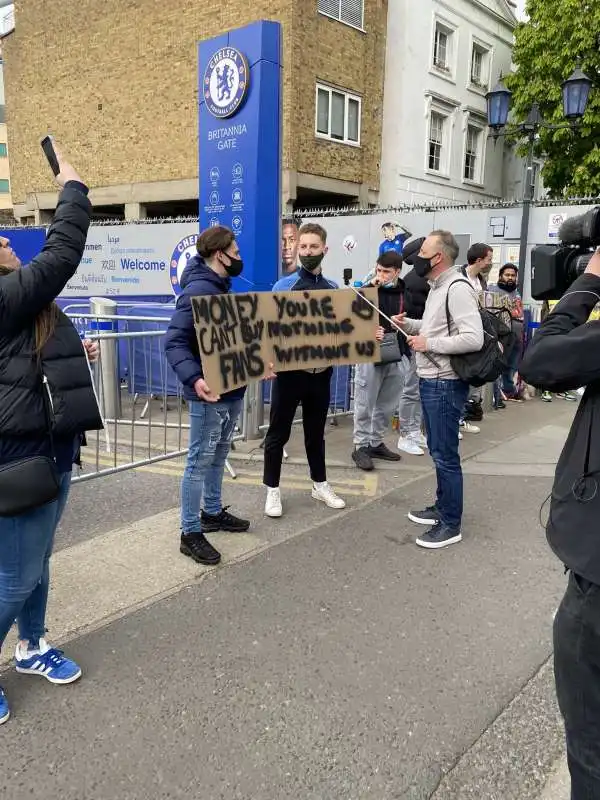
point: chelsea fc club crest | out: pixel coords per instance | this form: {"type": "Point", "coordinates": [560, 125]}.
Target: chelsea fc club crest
{"type": "Point", "coordinates": [184, 250]}
{"type": "Point", "coordinates": [226, 81]}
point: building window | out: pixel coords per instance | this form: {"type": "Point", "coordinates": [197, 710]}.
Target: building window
{"type": "Point", "coordinates": [3, 150]}
{"type": "Point", "coordinates": [437, 123]}
{"type": "Point", "coordinates": [473, 167]}
{"type": "Point", "coordinates": [4, 186]}
{"type": "Point", "coordinates": [442, 48]}
{"type": "Point", "coordinates": [479, 66]}
{"type": "Point", "coordinates": [348, 11]}
{"type": "Point", "coordinates": [338, 115]}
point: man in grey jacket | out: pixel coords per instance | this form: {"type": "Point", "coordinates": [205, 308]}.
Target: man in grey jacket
{"type": "Point", "coordinates": [443, 394]}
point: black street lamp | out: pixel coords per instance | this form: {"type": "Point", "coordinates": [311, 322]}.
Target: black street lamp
{"type": "Point", "coordinates": [575, 91]}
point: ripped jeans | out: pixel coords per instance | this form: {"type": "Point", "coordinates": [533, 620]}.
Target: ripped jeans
{"type": "Point", "coordinates": [211, 429]}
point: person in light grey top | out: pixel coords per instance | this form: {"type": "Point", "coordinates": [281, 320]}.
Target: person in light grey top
{"type": "Point", "coordinates": [443, 394]}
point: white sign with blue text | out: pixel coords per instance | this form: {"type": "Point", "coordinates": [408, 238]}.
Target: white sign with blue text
{"type": "Point", "coordinates": [134, 260]}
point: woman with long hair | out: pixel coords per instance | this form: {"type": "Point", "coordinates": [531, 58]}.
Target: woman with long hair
{"type": "Point", "coordinates": [47, 402]}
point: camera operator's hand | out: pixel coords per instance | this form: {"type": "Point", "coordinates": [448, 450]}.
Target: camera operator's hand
{"type": "Point", "coordinates": [593, 268]}
{"type": "Point", "coordinates": [67, 172]}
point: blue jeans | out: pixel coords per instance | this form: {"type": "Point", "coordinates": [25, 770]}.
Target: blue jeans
{"type": "Point", "coordinates": [443, 402]}
{"type": "Point", "coordinates": [26, 545]}
{"type": "Point", "coordinates": [211, 430]}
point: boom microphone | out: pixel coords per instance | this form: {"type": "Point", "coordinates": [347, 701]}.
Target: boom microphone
{"type": "Point", "coordinates": [583, 230]}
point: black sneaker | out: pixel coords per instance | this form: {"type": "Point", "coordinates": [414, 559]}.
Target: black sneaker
{"type": "Point", "coordinates": [223, 522]}
{"type": "Point", "coordinates": [197, 547]}
{"type": "Point", "coordinates": [428, 516]}
{"type": "Point", "coordinates": [500, 405]}
{"type": "Point", "coordinates": [473, 411]}
{"type": "Point", "coordinates": [439, 536]}
{"type": "Point", "coordinates": [383, 452]}
{"type": "Point", "coordinates": [362, 458]}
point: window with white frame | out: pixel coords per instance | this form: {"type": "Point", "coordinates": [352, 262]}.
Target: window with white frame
{"type": "Point", "coordinates": [442, 47]}
{"type": "Point", "coordinates": [480, 57]}
{"type": "Point", "coordinates": [348, 11]}
{"type": "Point", "coordinates": [436, 142]}
{"type": "Point", "coordinates": [338, 115]}
{"type": "Point", "coordinates": [472, 167]}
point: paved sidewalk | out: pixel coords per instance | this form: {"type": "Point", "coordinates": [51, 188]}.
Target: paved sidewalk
{"type": "Point", "coordinates": [558, 786]}
{"type": "Point", "coordinates": [327, 658]}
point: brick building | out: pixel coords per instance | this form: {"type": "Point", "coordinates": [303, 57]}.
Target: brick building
{"type": "Point", "coordinates": [117, 83]}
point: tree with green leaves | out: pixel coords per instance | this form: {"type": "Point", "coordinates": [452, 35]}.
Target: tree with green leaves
{"type": "Point", "coordinates": [557, 37]}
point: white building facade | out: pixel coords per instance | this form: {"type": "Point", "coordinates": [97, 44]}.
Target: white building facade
{"type": "Point", "coordinates": [441, 59]}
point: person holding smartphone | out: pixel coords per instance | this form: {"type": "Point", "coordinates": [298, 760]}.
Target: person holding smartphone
{"type": "Point", "coordinates": [47, 402]}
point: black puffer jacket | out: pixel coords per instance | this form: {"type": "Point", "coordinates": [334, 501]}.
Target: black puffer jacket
{"type": "Point", "coordinates": [416, 290]}
{"type": "Point", "coordinates": [23, 295]}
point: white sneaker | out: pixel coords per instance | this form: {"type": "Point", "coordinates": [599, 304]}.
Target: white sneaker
{"type": "Point", "coordinates": [460, 436]}
{"type": "Point", "coordinates": [324, 493]}
{"type": "Point", "coordinates": [420, 439]}
{"type": "Point", "coordinates": [409, 444]}
{"type": "Point", "coordinates": [468, 427]}
{"type": "Point", "coordinates": [273, 506]}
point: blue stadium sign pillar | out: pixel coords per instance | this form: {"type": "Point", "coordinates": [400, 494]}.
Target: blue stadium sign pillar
{"type": "Point", "coordinates": [240, 120]}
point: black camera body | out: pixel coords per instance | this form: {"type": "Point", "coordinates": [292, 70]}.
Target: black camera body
{"type": "Point", "coordinates": [554, 267]}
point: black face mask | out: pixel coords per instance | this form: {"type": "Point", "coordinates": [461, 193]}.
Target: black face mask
{"type": "Point", "coordinates": [422, 266]}
{"type": "Point", "coordinates": [508, 286]}
{"type": "Point", "coordinates": [235, 267]}
{"type": "Point", "coordinates": [311, 263]}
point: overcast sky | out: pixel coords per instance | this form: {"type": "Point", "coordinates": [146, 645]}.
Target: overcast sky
{"type": "Point", "coordinates": [520, 8]}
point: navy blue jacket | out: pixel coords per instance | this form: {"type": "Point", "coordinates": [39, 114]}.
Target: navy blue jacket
{"type": "Point", "coordinates": [303, 279]}
{"type": "Point", "coordinates": [181, 343]}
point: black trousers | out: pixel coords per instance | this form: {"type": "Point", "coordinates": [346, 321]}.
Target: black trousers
{"type": "Point", "coordinates": [577, 673]}
{"type": "Point", "coordinates": [291, 389]}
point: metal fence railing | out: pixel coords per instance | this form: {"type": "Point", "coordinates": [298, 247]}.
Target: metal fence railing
{"type": "Point", "coordinates": [138, 394]}
{"type": "Point", "coordinates": [145, 414]}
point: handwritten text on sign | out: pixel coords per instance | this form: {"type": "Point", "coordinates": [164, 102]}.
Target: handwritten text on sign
{"type": "Point", "coordinates": [239, 335]}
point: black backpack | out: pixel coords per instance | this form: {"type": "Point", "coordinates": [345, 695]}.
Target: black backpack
{"type": "Point", "coordinates": [485, 365]}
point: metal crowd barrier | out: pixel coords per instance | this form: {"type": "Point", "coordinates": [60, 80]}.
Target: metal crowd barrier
{"type": "Point", "coordinates": [141, 399]}
{"type": "Point", "coordinates": [138, 394]}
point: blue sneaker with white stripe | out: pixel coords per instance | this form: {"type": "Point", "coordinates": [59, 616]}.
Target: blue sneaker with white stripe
{"type": "Point", "coordinates": [4, 709]}
{"type": "Point", "coordinates": [48, 662]}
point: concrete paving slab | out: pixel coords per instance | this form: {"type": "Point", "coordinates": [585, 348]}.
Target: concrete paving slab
{"type": "Point", "coordinates": [344, 663]}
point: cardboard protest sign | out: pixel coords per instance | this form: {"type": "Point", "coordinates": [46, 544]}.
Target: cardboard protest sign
{"type": "Point", "coordinates": [239, 335]}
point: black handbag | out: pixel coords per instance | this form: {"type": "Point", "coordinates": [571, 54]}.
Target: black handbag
{"type": "Point", "coordinates": [30, 482]}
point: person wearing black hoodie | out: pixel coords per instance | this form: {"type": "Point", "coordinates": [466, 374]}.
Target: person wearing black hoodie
{"type": "Point", "coordinates": [565, 355]}
{"type": "Point", "coordinates": [212, 417]}
{"type": "Point", "coordinates": [379, 385]}
{"type": "Point", "coordinates": [416, 289]}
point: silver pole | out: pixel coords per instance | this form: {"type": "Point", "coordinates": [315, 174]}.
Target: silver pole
{"type": "Point", "coordinates": [255, 415]}
{"type": "Point", "coordinates": [109, 356]}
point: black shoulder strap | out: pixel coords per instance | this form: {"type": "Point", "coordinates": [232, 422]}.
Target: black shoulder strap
{"type": "Point", "coordinates": [460, 280]}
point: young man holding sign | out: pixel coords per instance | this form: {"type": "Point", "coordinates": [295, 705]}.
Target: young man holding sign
{"type": "Point", "coordinates": [212, 417]}
{"type": "Point", "coordinates": [308, 387]}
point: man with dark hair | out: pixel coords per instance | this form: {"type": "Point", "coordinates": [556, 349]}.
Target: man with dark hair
{"type": "Point", "coordinates": [378, 386]}
{"type": "Point", "coordinates": [212, 417]}
{"type": "Point", "coordinates": [289, 244]}
{"type": "Point", "coordinates": [443, 394]}
{"type": "Point", "coordinates": [416, 289]}
{"type": "Point", "coordinates": [476, 270]}
{"type": "Point", "coordinates": [309, 387]}
{"type": "Point", "coordinates": [506, 293]}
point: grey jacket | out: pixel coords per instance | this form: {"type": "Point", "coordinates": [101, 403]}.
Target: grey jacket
{"type": "Point", "coordinates": [466, 331]}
